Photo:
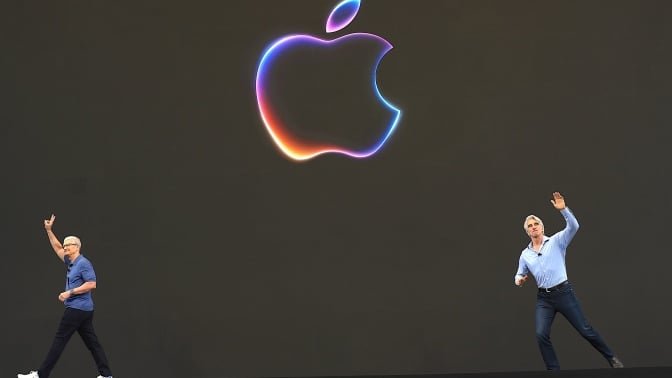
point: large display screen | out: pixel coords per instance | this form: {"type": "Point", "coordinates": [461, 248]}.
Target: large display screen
{"type": "Point", "coordinates": [319, 188]}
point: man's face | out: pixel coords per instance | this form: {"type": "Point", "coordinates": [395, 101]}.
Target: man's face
{"type": "Point", "coordinates": [534, 228]}
{"type": "Point", "coordinates": [71, 247]}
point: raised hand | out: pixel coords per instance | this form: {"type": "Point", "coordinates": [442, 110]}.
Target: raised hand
{"type": "Point", "coordinates": [48, 223]}
{"type": "Point", "coordinates": [558, 201]}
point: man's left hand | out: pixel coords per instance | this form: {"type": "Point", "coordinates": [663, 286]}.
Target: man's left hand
{"type": "Point", "coordinates": [558, 201]}
{"type": "Point", "coordinates": [63, 296]}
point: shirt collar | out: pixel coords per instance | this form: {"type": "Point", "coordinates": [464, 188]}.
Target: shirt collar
{"type": "Point", "coordinates": [76, 260]}
{"type": "Point", "coordinates": [529, 246]}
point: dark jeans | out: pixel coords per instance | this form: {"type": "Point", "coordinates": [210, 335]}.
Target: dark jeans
{"type": "Point", "coordinates": [82, 322]}
{"type": "Point", "coordinates": [565, 302]}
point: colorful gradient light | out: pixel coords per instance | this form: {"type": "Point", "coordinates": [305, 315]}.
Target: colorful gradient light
{"type": "Point", "coordinates": [342, 15]}
{"type": "Point", "coordinates": [289, 144]}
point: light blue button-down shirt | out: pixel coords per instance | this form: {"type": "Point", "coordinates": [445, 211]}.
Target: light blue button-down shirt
{"type": "Point", "coordinates": [548, 265]}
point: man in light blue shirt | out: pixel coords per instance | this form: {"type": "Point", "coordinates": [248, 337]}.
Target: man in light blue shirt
{"type": "Point", "coordinates": [544, 257]}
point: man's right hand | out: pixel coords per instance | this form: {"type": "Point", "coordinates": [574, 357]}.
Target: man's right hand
{"type": "Point", "coordinates": [48, 223]}
{"type": "Point", "coordinates": [521, 280]}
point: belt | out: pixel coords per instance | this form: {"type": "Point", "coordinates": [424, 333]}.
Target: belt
{"type": "Point", "coordinates": [554, 288]}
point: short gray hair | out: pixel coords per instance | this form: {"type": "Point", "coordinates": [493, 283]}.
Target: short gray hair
{"type": "Point", "coordinates": [74, 239]}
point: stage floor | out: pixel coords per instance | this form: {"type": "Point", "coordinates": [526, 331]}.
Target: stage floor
{"type": "Point", "coordinates": [645, 372]}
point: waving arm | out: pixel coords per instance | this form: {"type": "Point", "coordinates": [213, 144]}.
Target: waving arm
{"type": "Point", "coordinates": [55, 244]}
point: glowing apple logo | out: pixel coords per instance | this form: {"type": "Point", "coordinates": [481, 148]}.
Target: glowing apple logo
{"type": "Point", "coordinates": [280, 128]}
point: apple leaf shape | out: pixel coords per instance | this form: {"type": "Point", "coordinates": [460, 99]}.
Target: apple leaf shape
{"type": "Point", "coordinates": [342, 15]}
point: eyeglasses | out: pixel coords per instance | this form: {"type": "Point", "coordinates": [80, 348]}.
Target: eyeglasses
{"type": "Point", "coordinates": [70, 245]}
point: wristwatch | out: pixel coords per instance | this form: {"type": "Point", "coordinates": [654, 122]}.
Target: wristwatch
{"type": "Point", "coordinates": [72, 291]}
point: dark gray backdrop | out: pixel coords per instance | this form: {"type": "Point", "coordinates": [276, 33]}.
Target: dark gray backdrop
{"type": "Point", "coordinates": [135, 122]}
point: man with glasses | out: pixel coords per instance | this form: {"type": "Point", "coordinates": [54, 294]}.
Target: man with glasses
{"type": "Point", "coordinates": [78, 315]}
{"type": "Point", "coordinates": [544, 257]}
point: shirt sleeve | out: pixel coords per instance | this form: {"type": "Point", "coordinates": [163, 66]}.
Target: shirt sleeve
{"type": "Point", "coordinates": [88, 274]}
{"type": "Point", "coordinates": [522, 269]}
{"type": "Point", "coordinates": [565, 236]}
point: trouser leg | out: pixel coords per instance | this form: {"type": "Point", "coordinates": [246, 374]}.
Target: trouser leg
{"type": "Point", "coordinates": [68, 325]}
{"type": "Point", "coordinates": [545, 313]}
{"type": "Point", "coordinates": [88, 335]}
{"type": "Point", "coordinates": [570, 307]}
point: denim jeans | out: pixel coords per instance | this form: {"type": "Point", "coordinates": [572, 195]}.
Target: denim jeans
{"type": "Point", "coordinates": [82, 322]}
{"type": "Point", "coordinates": [565, 302]}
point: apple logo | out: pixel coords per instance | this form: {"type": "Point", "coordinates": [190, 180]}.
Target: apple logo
{"type": "Point", "coordinates": [284, 51]}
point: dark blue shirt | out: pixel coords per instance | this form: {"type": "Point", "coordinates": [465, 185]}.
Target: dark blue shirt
{"type": "Point", "coordinates": [80, 271]}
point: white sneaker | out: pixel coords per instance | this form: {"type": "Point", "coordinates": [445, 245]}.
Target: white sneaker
{"type": "Point", "coordinates": [100, 376]}
{"type": "Point", "coordinates": [32, 374]}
